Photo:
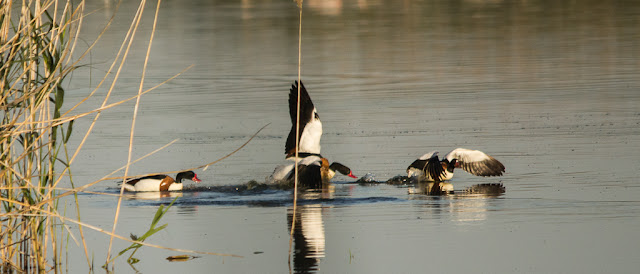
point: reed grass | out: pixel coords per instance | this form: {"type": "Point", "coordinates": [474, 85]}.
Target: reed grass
{"type": "Point", "coordinates": [37, 43]}
{"type": "Point", "coordinates": [295, 168]}
{"type": "Point", "coordinates": [135, 114]}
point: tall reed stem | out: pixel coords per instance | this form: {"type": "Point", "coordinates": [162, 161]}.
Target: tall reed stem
{"type": "Point", "coordinates": [133, 122]}
{"type": "Point", "coordinates": [295, 180]}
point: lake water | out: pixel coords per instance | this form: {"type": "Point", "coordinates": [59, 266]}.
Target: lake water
{"type": "Point", "coordinates": [550, 88]}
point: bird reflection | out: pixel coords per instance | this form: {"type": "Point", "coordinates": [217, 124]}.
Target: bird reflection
{"type": "Point", "coordinates": [308, 237]}
{"type": "Point", "coordinates": [154, 195]}
{"type": "Point", "coordinates": [327, 191]}
{"type": "Point", "coordinates": [432, 188]}
{"type": "Point", "coordinates": [467, 205]}
{"type": "Point", "coordinates": [442, 188]}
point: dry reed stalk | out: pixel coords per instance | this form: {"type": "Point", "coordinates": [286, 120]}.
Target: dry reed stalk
{"type": "Point", "coordinates": [135, 114]}
{"type": "Point", "coordinates": [54, 214]}
{"type": "Point", "coordinates": [32, 132]}
{"type": "Point", "coordinates": [35, 57]}
{"type": "Point", "coordinates": [33, 48]}
{"type": "Point", "coordinates": [295, 168]}
{"type": "Point", "coordinates": [82, 188]}
{"type": "Point", "coordinates": [67, 119]}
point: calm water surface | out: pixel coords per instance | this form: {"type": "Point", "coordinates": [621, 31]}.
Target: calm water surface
{"type": "Point", "coordinates": [550, 88]}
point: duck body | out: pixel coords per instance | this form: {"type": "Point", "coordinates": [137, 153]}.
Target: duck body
{"type": "Point", "coordinates": [313, 171]}
{"type": "Point", "coordinates": [160, 182]}
{"type": "Point", "coordinates": [430, 168]}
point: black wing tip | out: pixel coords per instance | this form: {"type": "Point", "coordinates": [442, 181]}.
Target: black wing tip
{"type": "Point", "coordinates": [305, 99]}
{"type": "Point", "coordinates": [294, 88]}
{"type": "Point", "coordinates": [417, 164]}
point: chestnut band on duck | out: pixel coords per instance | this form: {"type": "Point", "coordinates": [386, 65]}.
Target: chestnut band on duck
{"type": "Point", "coordinates": [314, 171]}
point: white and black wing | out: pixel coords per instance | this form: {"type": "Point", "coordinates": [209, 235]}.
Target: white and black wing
{"type": "Point", "coordinates": [427, 165]}
{"type": "Point", "coordinates": [310, 129]}
{"type": "Point", "coordinates": [281, 172]}
{"type": "Point", "coordinates": [285, 172]}
{"type": "Point", "coordinates": [476, 162]}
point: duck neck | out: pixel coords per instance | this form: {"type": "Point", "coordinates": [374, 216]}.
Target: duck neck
{"type": "Point", "coordinates": [325, 172]}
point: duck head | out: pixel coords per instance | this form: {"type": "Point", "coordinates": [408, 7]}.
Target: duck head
{"type": "Point", "coordinates": [450, 166]}
{"type": "Point", "coordinates": [187, 175]}
{"type": "Point", "coordinates": [335, 166]}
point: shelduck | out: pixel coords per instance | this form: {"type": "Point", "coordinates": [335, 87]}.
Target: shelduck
{"type": "Point", "coordinates": [160, 182]}
{"type": "Point", "coordinates": [429, 168]}
{"type": "Point", "coordinates": [312, 172]}
{"type": "Point", "coordinates": [313, 169]}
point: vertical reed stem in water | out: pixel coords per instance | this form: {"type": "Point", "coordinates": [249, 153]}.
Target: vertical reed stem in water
{"type": "Point", "coordinates": [295, 168]}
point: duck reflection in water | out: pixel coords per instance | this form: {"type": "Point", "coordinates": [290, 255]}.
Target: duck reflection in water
{"type": "Point", "coordinates": [442, 188]}
{"type": "Point", "coordinates": [151, 195]}
{"type": "Point", "coordinates": [467, 205]}
{"type": "Point", "coordinates": [308, 237]}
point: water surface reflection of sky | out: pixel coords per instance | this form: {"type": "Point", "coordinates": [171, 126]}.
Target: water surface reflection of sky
{"type": "Point", "coordinates": [550, 88]}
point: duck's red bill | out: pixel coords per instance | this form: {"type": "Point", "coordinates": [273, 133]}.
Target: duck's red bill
{"type": "Point", "coordinates": [196, 179]}
{"type": "Point", "coordinates": [352, 176]}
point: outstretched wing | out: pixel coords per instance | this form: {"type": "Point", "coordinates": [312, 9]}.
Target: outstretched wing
{"type": "Point", "coordinates": [476, 162]}
{"type": "Point", "coordinates": [310, 129]}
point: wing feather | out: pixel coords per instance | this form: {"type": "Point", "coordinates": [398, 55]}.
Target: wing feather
{"type": "Point", "coordinates": [430, 166]}
{"type": "Point", "coordinates": [307, 115]}
{"type": "Point", "coordinates": [476, 162]}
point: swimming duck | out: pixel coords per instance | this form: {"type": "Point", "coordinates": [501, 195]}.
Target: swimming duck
{"type": "Point", "coordinates": [160, 182]}
{"type": "Point", "coordinates": [429, 168]}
